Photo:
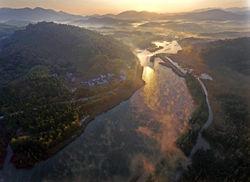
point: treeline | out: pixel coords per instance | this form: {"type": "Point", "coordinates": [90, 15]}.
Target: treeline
{"type": "Point", "coordinates": [198, 118]}
{"type": "Point", "coordinates": [232, 161]}
{"type": "Point", "coordinates": [38, 115]}
{"type": "Point", "coordinates": [233, 54]}
{"type": "Point", "coordinates": [63, 49]}
{"type": "Point", "coordinates": [227, 61]}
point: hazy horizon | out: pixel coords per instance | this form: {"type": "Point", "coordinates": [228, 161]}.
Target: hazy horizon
{"type": "Point", "coordinates": [87, 7]}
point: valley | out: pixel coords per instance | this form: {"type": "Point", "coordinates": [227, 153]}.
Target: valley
{"type": "Point", "coordinates": [133, 96]}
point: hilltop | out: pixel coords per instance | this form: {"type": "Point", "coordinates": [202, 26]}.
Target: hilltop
{"type": "Point", "coordinates": [55, 79]}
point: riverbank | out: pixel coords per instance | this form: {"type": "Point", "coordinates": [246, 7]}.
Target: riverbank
{"type": "Point", "coordinates": [93, 108]}
{"type": "Point", "coordinates": [198, 118]}
{"type": "Point", "coordinates": [103, 106]}
{"type": "Point", "coordinates": [187, 141]}
{"type": "Point", "coordinates": [228, 158]}
{"type": "Point", "coordinates": [168, 63]}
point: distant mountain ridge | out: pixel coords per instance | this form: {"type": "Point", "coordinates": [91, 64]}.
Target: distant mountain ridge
{"type": "Point", "coordinates": [102, 20]}
{"type": "Point", "coordinates": [138, 15]}
{"type": "Point", "coordinates": [203, 14]}
{"type": "Point", "coordinates": [210, 14]}
{"type": "Point", "coordinates": [40, 14]}
{"type": "Point", "coordinates": [35, 15]}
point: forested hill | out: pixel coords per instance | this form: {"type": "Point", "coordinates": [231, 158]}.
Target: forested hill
{"type": "Point", "coordinates": [228, 64]}
{"type": "Point", "coordinates": [52, 76]}
{"type": "Point", "coordinates": [62, 48]}
{"type": "Point", "coordinates": [231, 53]}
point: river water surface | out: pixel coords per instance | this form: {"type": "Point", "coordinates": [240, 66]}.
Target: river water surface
{"type": "Point", "coordinates": [125, 143]}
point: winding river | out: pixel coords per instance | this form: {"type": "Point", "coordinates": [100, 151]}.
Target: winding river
{"type": "Point", "coordinates": [127, 142]}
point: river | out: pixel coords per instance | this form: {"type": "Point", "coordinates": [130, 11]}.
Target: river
{"type": "Point", "coordinates": [127, 142]}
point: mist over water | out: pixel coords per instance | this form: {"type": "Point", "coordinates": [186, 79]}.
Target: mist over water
{"type": "Point", "coordinates": [128, 141]}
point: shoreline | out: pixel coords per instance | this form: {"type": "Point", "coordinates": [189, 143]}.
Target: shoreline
{"type": "Point", "coordinates": [117, 98]}
{"type": "Point", "coordinates": [167, 62]}
{"type": "Point", "coordinates": [91, 109]}
{"type": "Point", "coordinates": [92, 118]}
{"type": "Point", "coordinates": [199, 117]}
{"type": "Point", "coordinates": [187, 140]}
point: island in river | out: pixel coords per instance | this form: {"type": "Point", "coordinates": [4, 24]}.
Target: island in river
{"type": "Point", "coordinates": [55, 79]}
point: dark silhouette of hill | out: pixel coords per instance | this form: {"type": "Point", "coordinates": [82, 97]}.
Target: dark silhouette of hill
{"type": "Point", "coordinates": [35, 15]}
{"type": "Point", "coordinates": [62, 48]}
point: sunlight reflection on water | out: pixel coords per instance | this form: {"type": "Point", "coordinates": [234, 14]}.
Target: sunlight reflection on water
{"type": "Point", "coordinates": [148, 74]}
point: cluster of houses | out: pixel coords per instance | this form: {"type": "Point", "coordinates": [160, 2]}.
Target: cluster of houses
{"type": "Point", "coordinates": [103, 79]}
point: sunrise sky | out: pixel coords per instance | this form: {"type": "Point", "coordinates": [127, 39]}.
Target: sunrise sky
{"type": "Point", "coordinates": [115, 6]}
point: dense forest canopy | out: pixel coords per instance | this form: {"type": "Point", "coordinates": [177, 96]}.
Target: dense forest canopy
{"type": "Point", "coordinates": [44, 70]}
{"type": "Point", "coordinates": [231, 53]}
{"type": "Point", "coordinates": [62, 49]}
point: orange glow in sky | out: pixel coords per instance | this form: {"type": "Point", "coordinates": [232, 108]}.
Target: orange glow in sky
{"type": "Point", "coordinates": [116, 6]}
